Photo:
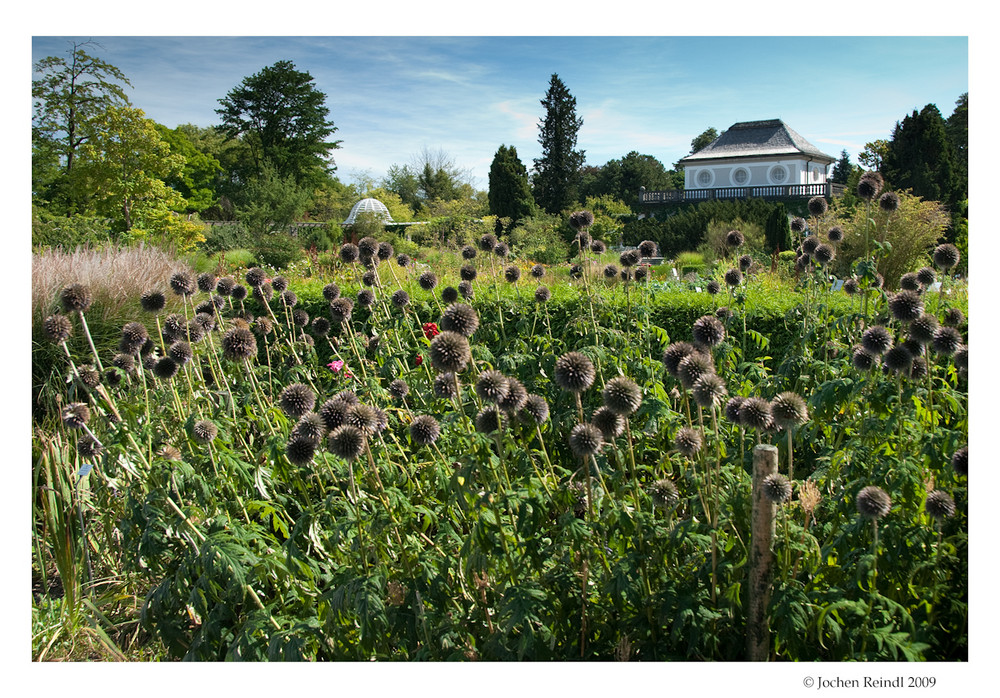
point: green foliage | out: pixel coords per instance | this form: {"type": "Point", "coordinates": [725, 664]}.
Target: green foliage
{"type": "Point", "coordinates": [621, 179]}
{"type": "Point", "coordinates": [509, 191]}
{"type": "Point", "coordinates": [270, 202]}
{"type": "Point", "coordinates": [541, 238]}
{"type": "Point", "coordinates": [715, 246]}
{"type": "Point", "coordinates": [556, 179]}
{"type": "Point", "coordinates": [221, 237]}
{"type": "Point", "coordinates": [198, 176]}
{"type": "Point", "coordinates": [48, 230]}
{"type": "Point", "coordinates": [777, 233]}
{"type": "Point", "coordinates": [277, 250]}
{"type": "Point", "coordinates": [920, 158]}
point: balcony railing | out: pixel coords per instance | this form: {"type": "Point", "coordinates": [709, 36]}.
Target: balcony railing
{"type": "Point", "coordinates": [783, 191]}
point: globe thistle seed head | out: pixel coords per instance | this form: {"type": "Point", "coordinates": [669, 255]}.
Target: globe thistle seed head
{"type": "Point", "coordinates": [333, 412]}
{"type": "Point", "coordinates": [449, 352]}
{"type": "Point", "coordinates": [364, 417]}
{"type": "Point", "coordinates": [776, 488]}
{"type": "Point", "coordinates": [939, 505]}
{"type": "Point", "coordinates": [817, 206]}
{"type": "Point", "coordinates": [126, 362]}
{"type": "Point", "coordinates": [153, 301]}
{"type": "Point", "coordinates": [180, 352]}
{"type": "Point", "coordinates": [862, 359]}
{"type": "Point", "coordinates": [288, 298]}
{"type": "Point", "coordinates": [492, 386]}
{"type": "Point", "coordinates": [368, 247]}
{"type": "Point", "coordinates": [349, 253]}
{"type": "Point", "coordinates": [264, 292]}
{"type": "Point", "coordinates": [57, 328]}
{"type": "Point", "coordinates": [149, 362]}
{"type": "Point", "coordinates": [300, 318]}
{"type": "Point", "coordinates": [575, 271]}
{"type": "Point", "coordinates": [174, 327]}
{"type": "Point", "coordinates": [206, 307]}
{"type": "Point", "coordinates": [960, 460]}
{"type": "Point", "coordinates": [300, 450]}
{"type": "Point", "coordinates": [870, 185]}
{"type": "Point", "coordinates": [183, 284]}
{"type": "Point", "coordinates": [889, 201]}
{"type": "Point", "coordinates": [513, 401]}
{"type": "Point", "coordinates": [798, 225]}
{"type": "Point", "coordinates": [611, 424]}
{"type": "Point", "coordinates": [366, 298]}
{"type": "Point", "coordinates": [953, 317]}
{"type": "Point", "coordinates": [909, 282]}
{"type": "Point", "coordinates": [341, 309]}
{"type": "Point", "coordinates": [688, 441]}
{"type": "Point", "coordinates": [468, 252]}
{"type": "Point", "coordinates": [876, 340]}
{"type": "Point", "coordinates": [512, 274]}
{"type": "Point", "coordinates": [664, 494]}
{"type": "Point", "coordinates": [906, 306]}
{"type": "Point", "coordinates": [918, 369]}
{"type": "Point", "coordinates": [732, 410]}
{"type": "Point", "coordinates": [297, 399]}
{"type": "Point", "coordinates": [709, 390]}
{"type": "Point", "coordinates": [369, 278]}
{"type": "Point", "coordinates": [449, 294]}
{"type": "Point", "coordinates": [648, 248]}
{"type": "Point", "coordinates": [238, 293]}
{"type": "Point", "coordinates": [206, 282]}
{"type": "Point", "coordinates": [851, 287]}
{"type": "Point", "coordinates": [713, 287]}
{"type": "Point", "coordinates": [535, 408]}
{"type": "Point", "coordinates": [923, 328]}
{"type": "Point", "coordinates": [204, 431]}
{"type": "Point", "coordinates": [733, 277]}
{"type": "Point", "coordinates": [809, 245]}
{"type": "Point", "coordinates": [926, 276]}
{"type": "Point", "coordinates": [946, 256]}
{"type": "Point", "coordinates": [239, 344]}
{"type": "Point", "coordinates": [581, 220]}
{"type": "Point", "coordinates": [225, 285]}
{"type": "Point", "coordinates": [543, 294]}
{"type": "Point", "coordinates": [399, 388]}
{"type": "Point", "coordinates": [400, 298]}
{"type": "Point", "coordinates": [310, 426]}
{"type": "Point", "coordinates": [723, 313]}
{"type": "Point", "coordinates": [75, 298]}
{"type": "Point", "coordinates": [460, 318]}
{"type": "Point", "coordinates": [755, 413]}
{"type": "Point", "coordinates": [165, 368]}
{"type": "Point", "coordinates": [89, 376]}
{"type": "Point", "coordinates": [428, 280]}
{"type": "Point", "coordinates": [346, 441]}
{"type": "Point", "coordinates": [788, 410]}
{"type": "Point", "coordinates": [598, 247]}
{"type": "Point", "coordinates": [708, 331]}
{"type": "Point", "coordinates": [961, 358]}
{"type": "Point", "coordinates": [694, 366]}
{"type": "Point", "coordinates": [585, 440]}
{"type": "Point", "coordinates": [468, 272]}
{"type": "Point", "coordinates": [403, 260]}
{"type": "Point", "coordinates": [194, 329]}
{"type": "Point", "coordinates": [622, 395]}
{"type": "Point", "coordinates": [835, 234]}
{"type": "Point", "coordinates": [501, 250]}
{"type": "Point", "coordinates": [946, 340]}
{"type": "Point", "coordinates": [75, 415]}
{"type": "Point", "coordinates": [465, 290]}
{"type": "Point", "coordinates": [444, 386]}
{"type": "Point", "coordinates": [629, 258]}
{"type": "Point", "coordinates": [331, 292]}
{"type": "Point", "coordinates": [487, 242]}
{"type": "Point", "coordinates": [385, 251]}
{"type": "Point", "coordinates": [489, 420]}
{"type": "Point", "coordinates": [610, 271]}
{"type": "Point", "coordinates": [89, 447]}
{"type": "Point", "coordinates": [255, 276]}
{"type": "Point", "coordinates": [424, 430]}
{"type": "Point", "coordinates": [263, 326]}
{"type": "Point", "coordinates": [574, 372]}
{"type": "Point", "coordinates": [824, 254]}
{"type": "Point", "coordinates": [674, 354]}
{"type": "Point", "coordinates": [872, 502]}
{"type": "Point", "coordinates": [641, 273]}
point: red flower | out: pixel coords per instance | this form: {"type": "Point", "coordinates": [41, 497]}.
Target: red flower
{"type": "Point", "coordinates": [431, 330]}
{"type": "Point", "coordinates": [419, 359]}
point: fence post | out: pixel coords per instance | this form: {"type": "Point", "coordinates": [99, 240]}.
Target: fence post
{"type": "Point", "coordinates": [765, 462]}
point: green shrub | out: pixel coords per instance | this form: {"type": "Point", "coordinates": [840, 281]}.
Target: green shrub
{"type": "Point", "coordinates": [226, 236]}
{"type": "Point", "coordinates": [687, 262]}
{"type": "Point", "coordinates": [715, 246]}
{"type": "Point", "coordinates": [541, 239]}
{"type": "Point", "coordinates": [277, 250]}
{"type": "Point", "coordinates": [69, 232]}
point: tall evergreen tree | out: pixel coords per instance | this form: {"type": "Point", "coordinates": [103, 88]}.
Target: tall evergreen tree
{"type": "Point", "coordinates": [557, 173]}
{"type": "Point", "coordinates": [777, 233]}
{"type": "Point", "coordinates": [842, 170]}
{"type": "Point", "coordinates": [919, 157]}
{"type": "Point", "coordinates": [509, 194]}
{"type": "Point", "coordinates": [957, 126]}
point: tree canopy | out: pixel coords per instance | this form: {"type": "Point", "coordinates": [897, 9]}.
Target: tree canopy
{"type": "Point", "coordinates": [509, 192]}
{"type": "Point", "coordinates": [281, 115]}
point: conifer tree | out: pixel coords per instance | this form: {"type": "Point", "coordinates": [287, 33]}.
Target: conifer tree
{"type": "Point", "coordinates": [557, 173]}
{"type": "Point", "coordinates": [509, 195]}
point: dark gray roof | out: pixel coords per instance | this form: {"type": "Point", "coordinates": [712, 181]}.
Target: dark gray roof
{"type": "Point", "coordinates": [755, 139]}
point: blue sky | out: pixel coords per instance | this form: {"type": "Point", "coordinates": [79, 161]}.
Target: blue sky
{"type": "Point", "coordinates": [391, 97]}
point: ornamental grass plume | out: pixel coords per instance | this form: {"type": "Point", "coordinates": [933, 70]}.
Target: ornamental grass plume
{"type": "Point", "coordinates": [574, 372]}
{"type": "Point", "coordinates": [449, 352]}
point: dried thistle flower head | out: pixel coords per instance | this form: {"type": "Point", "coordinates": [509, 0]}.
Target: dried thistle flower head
{"type": "Point", "coordinates": [460, 318]}
{"type": "Point", "coordinates": [153, 301]}
{"type": "Point", "coordinates": [674, 354]}
{"type": "Point", "coordinates": [581, 220]}
{"type": "Point", "coordinates": [585, 440]}
{"type": "Point", "coordinates": [204, 431]}
{"type": "Point", "coordinates": [755, 413]}
{"type": "Point", "coordinates": [870, 185]}
{"type": "Point", "coordinates": [183, 284]}
{"type": "Point", "coordinates": [76, 298]}
{"type": "Point", "coordinates": [489, 420]}
{"type": "Point", "coordinates": [694, 366]}
{"type": "Point", "coordinates": [946, 256]}
{"type": "Point", "coordinates": [788, 410]}
{"type": "Point", "coordinates": [574, 372]}
{"type": "Point", "coordinates": [449, 352]}
{"type": "Point", "coordinates": [492, 386]}
{"type": "Point", "coordinates": [889, 201]}
{"type": "Point", "coordinates": [239, 344]}
{"type": "Point", "coordinates": [872, 502]}
{"type": "Point", "coordinates": [709, 390]}
{"type": "Point", "coordinates": [297, 399]}
{"type": "Point", "coordinates": [310, 426]}
{"type": "Point", "coordinates": [516, 395]}
{"type": "Point", "coordinates": [611, 424]}
{"type": "Point", "coordinates": [876, 340]}
{"type": "Point", "coordinates": [906, 306]}
{"type": "Point", "coordinates": [444, 385]}
{"type": "Point", "coordinates": [57, 328]}
{"type": "Point", "coordinates": [346, 441]}
{"type": "Point", "coordinates": [428, 280]}
{"type": "Point", "coordinates": [817, 206]}
{"type": "Point", "coordinates": [688, 441]}
{"type": "Point", "coordinates": [75, 415]}
{"type": "Point", "coordinates": [664, 494]}
{"type": "Point", "coordinates": [424, 430]}
{"type": "Point", "coordinates": [622, 395]}
{"type": "Point", "coordinates": [939, 505]}
{"type": "Point", "coordinates": [535, 408]}
{"type": "Point", "coordinates": [809, 496]}
{"type": "Point", "coordinates": [708, 331]}
{"type": "Point", "coordinates": [776, 488]}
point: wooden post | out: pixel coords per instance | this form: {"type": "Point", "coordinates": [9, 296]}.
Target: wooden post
{"type": "Point", "coordinates": [765, 462]}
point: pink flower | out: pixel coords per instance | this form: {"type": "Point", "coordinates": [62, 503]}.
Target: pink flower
{"type": "Point", "coordinates": [335, 366]}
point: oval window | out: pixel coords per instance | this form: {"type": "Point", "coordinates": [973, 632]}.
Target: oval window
{"type": "Point", "coordinates": [741, 176]}
{"type": "Point", "coordinates": [778, 174]}
{"type": "Point", "coordinates": [705, 178]}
